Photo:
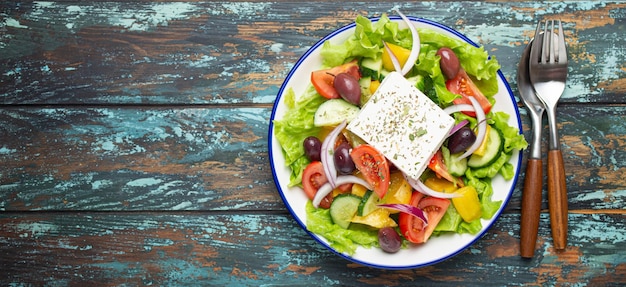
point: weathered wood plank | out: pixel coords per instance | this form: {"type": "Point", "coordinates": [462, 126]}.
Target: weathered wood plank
{"type": "Point", "coordinates": [150, 158]}
{"type": "Point", "coordinates": [133, 144]}
{"type": "Point", "coordinates": [135, 158]}
{"type": "Point", "coordinates": [252, 249]}
{"type": "Point", "coordinates": [223, 52]}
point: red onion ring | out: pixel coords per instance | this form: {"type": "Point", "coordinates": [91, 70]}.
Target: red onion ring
{"type": "Point", "coordinates": [407, 208]}
{"type": "Point", "coordinates": [458, 126]}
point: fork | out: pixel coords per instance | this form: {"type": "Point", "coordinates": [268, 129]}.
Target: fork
{"type": "Point", "coordinates": [548, 72]}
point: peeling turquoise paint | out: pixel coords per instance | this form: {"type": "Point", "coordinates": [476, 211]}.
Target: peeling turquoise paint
{"type": "Point", "coordinates": [144, 182]}
{"type": "Point", "coordinates": [10, 22]}
{"type": "Point", "coordinates": [182, 205]}
{"type": "Point", "coordinates": [6, 151]}
{"type": "Point", "coordinates": [591, 195]}
{"type": "Point", "coordinates": [153, 15]}
{"type": "Point", "coordinates": [241, 10]}
{"type": "Point", "coordinates": [36, 229]}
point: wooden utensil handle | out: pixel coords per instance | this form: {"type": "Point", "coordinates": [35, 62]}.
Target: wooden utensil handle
{"type": "Point", "coordinates": [557, 198]}
{"type": "Point", "coordinates": [531, 207]}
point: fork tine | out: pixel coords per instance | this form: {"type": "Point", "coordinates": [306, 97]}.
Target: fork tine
{"type": "Point", "coordinates": [535, 49]}
{"type": "Point", "coordinates": [562, 55]}
{"type": "Point", "coordinates": [552, 50]}
{"type": "Point", "coordinates": [545, 49]}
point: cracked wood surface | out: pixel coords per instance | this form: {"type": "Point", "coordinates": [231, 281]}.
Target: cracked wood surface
{"type": "Point", "coordinates": [134, 135]}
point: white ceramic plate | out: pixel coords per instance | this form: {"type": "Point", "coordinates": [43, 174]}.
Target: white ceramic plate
{"type": "Point", "coordinates": [436, 249]}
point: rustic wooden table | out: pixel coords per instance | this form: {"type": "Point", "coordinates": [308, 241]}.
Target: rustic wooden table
{"type": "Point", "coordinates": [134, 137]}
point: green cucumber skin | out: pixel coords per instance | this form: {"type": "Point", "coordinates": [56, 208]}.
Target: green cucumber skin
{"type": "Point", "coordinates": [457, 167]}
{"type": "Point", "coordinates": [493, 151]}
{"type": "Point", "coordinates": [368, 203]}
{"type": "Point", "coordinates": [372, 68]}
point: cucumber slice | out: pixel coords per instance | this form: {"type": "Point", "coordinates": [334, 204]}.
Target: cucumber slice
{"type": "Point", "coordinates": [494, 147]}
{"type": "Point", "coordinates": [456, 166]}
{"type": "Point", "coordinates": [333, 112]}
{"type": "Point", "coordinates": [343, 209]}
{"type": "Point", "coordinates": [383, 73]}
{"type": "Point", "coordinates": [368, 203]}
{"type": "Point", "coordinates": [371, 68]}
{"type": "Point", "coordinates": [364, 84]}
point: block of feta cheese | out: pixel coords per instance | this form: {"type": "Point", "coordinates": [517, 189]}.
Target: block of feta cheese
{"type": "Point", "coordinates": [403, 124]}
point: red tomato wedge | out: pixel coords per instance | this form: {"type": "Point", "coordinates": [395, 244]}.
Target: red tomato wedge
{"type": "Point", "coordinates": [412, 228]}
{"type": "Point", "coordinates": [323, 80]}
{"type": "Point", "coordinates": [437, 165]}
{"type": "Point", "coordinates": [374, 167]}
{"type": "Point", "coordinates": [463, 85]}
{"type": "Point", "coordinates": [313, 177]}
{"type": "Point", "coordinates": [435, 208]}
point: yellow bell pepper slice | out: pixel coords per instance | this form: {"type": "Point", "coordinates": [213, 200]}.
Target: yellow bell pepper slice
{"type": "Point", "coordinates": [483, 146]}
{"type": "Point", "coordinates": [374, 86]}
{"type": "Point", "coordinates": [358, 190]}
{"type": "Point", "coordinates": [402, 54]}
{"type": "Point", "coordinates": [378, 218]}
{"type": "Point", "coordinates": [399, 191]}
{"type": "Point", "coordinates": [440, 184]}
{"type": "Point", "coordinates": [468, 204]}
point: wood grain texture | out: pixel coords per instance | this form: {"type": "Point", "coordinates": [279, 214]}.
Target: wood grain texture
{"type": "Point", "coordinates": [223, 52]}
{"type": "Point", "coordinates": [531, 207]}
{"type": "Point", "coordinates": [134, 144]}
{"type": "Point", "coordinates": [157, 158]}
{"type": "Point", "coordinates": [258, 249]}
{"type": "Point", "coordinates": [136, 159]}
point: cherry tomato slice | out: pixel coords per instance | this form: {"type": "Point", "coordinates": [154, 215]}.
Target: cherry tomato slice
{"type": "Point", "coordinates": [437, 165]}
{"type": "Point", "coordinates": [463, 85]}
{"type": "Point", "coordinates": [323, 80]}
{"type": "Point", "coordinates": [374, 167]}
{"type": "Point", "coordinates": [412, 228]}
{"type": "Point", "coordinates": [313, 177]}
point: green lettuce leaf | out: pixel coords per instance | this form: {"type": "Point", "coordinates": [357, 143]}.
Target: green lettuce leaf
{"type": "Point", "coordinates": [513, 140]}
{"type": "Point", "coordinates": [343, 240]}
{"type": "Point", "coordinates": [450, 221]}
{"type": "Point", "coordinates": [367, 42]}
{"type": "Point", "coordinates": [492, 169]}
{"type": "Point", "coordinates": [474, 60]}
{"type": "Point", "coordinates": [294, 127]}
{"type": "Point", "coordinates": [470, 227]}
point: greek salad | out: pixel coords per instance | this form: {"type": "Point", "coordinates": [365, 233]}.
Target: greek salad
{"type": "Point", "coordinates": [361, 196]}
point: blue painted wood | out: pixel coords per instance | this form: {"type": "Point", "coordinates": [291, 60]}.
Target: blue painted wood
{"type": "Point", "coordinates": [133, 144]}
{"type": "Point", "coordinates": [256, 250]}
{"type": "Point", "coordinates": [135, 159]}
{"type": "Point", "coordinates": [149, 158]}
{"type": "Point", "coordinates": [221, 52]}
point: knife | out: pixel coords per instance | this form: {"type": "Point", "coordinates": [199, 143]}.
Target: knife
{"type": "Point", "coordinates": [533, 181]}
